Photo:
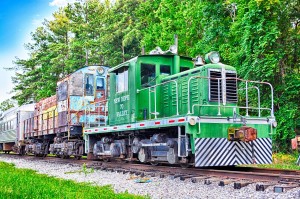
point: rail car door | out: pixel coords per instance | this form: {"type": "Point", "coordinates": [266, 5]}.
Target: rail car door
{"type": "Point", "coordinates": [121, 103]}
{"type": "Point", "coordinates": [62, 106]}
{"type": "Point", "coordinates": [100, 100]}
{"type": "Point", "coordinates": [147, 94]}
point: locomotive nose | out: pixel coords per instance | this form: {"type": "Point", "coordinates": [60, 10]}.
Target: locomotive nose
{"type": "Point", "coordinates": [244, 134]}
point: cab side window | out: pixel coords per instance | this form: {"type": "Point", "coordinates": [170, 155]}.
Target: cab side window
{"type": "Point", "coordinates": [147, 75]}
{"type": "Point", "coordinates": [165, 70]}
{"type": "Point", "coordinates": [122, 79]}
{"type": "Point", "coordinates": [89, 84]}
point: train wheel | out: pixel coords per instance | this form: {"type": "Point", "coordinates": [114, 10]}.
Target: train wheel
{"type": "Point", "coordinates": [106, 159]}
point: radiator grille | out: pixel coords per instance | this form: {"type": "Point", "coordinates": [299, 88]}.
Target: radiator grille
{"type": "Point", "coordinates": [216, 90]}
{"type": "Point", "coordinates": [231, 85]}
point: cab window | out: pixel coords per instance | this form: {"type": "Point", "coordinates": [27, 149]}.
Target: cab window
{"type": "Point", "coordinates": [122, 79]}
{"type": "Point", "coordinates": [147, 74]}
{"type": "Point", "coordinates": [100, 83]}
{"type": "Point", "coordinates": [165, 70]}
{"type": "Point", "coordinates": [89, 84]}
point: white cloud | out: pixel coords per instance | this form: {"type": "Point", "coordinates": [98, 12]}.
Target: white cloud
{"type": "Point", "coordinates": [61, 3]}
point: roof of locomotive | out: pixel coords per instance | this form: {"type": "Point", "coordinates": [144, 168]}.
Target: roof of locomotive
{"type": "Point", "coordinates": [210, 66]}
{"type": "Point", "coordinates": [90, 69]}
{"type": "Point", "coordinates": [126, 63]}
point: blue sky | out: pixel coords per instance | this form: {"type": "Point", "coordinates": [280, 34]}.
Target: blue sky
{"type": "Point", "coordinates": [18, 18]}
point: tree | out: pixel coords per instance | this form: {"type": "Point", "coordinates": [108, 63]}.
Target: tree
{"type": "Point", "coordinates": [7, 104]}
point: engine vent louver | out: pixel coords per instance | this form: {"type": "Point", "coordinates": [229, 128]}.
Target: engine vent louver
{"type": "Point", "coordinates": [214, 88]}
{"type": "Point", "coordinates": [231, 85]}
{"type": "Point", "coordinates": [216, 91]}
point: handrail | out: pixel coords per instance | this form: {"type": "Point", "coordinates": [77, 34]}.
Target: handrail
{"type": "Point", "coordinates": [241, 107]}
{"type": "Point", "coordinates": [258, 97]}
{"type": "Point", "coordinates": [238, 79]}
{"type": "Point", "coordinates": [148, 88]}
{"type": "Point", "coordinates": [95, 103]}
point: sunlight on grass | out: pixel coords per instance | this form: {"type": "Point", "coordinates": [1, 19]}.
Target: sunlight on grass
{"type": "Point", "coordinates": [26, 183]}
{"type": "Point", "coordinates": [281, 161]}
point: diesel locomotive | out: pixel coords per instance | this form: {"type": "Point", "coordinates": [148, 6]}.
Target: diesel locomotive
{"type": "Point", "coordinates": [155, 108]}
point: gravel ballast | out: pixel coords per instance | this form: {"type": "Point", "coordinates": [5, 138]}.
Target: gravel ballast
{"type": "Point", "coordinates": [156, 188]}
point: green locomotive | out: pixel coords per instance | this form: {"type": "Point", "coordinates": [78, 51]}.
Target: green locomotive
{"type": "Point", "coordinates": [163, 107]}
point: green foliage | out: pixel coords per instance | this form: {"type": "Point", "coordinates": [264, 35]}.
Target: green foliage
{"type": "Point", "coordinates": [283, 161]}
{"type": "Point", "coordinates": [25, 183]}
{"type": "Point", "coordinates": [260, 38]}
{"type": "Point", "coordinates": [7, 104]}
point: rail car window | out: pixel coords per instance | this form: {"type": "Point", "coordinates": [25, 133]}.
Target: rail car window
{"type": "Point", "coordinates": [62, 93]}
{"type": "Point", "coordinates": [89, 84]}
{"type": "Point", "coordinates": [147, 74]}
{"type": "Point", "coordinates": [165, 70]}
{"type": "Point", "coordinates": [122, 79]}
{"type": "Point", "coordinates": [183, 68]}
{"type": "Point", "coordinates": [100, 83]}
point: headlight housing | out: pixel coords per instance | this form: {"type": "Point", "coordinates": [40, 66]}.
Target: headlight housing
{"type": "Point", "coordinates": [212, 57]}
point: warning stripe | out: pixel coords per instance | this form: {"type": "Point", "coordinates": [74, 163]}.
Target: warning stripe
{"type": "Point", "coordinates": [221, 152]}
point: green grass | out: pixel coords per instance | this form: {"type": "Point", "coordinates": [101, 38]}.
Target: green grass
{"type": "Point", "coordinates": [26, 183]}
{"type": "Point", "coordinates": [282, 161]}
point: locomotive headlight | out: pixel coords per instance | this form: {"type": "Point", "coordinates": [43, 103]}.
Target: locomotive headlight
{"type": "Point", "coordinates": [274, 124]}
{"type": "Point", "coordinates": [212, 57]}
{"type": "Point", "coordinates": [192, 121]}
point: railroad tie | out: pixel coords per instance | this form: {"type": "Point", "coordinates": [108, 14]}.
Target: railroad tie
{"type": "Point", "coordinates": [162, 175]}
{"type": "Point", "coordinates": [198, 179]}
{"type": "Point", "coordinates": [151, 174]}
{"type": "Point", "coordinates": [183, 178]}
{"type": "Point", "coordinates": [262, 187]}
{"type": "Point", "coordinates": [172, 177]}
{"type": "Point", "coordinates": [239, 185]}
{"type": "Point", "coordinates": [210, 181]}
{"type": "Point", "coordinates": [125, 171]}
{"type": "Point", "coordinates": [222, 183]}
{"type": "Point", "coordinates": [283, 188]}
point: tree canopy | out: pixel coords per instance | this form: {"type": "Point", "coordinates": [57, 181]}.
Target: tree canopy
{"type": "Point", "coordinates": [260, 38]}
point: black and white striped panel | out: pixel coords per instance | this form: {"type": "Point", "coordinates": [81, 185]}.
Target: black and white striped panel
{"type": "Point", "coordinates": [221, 152]}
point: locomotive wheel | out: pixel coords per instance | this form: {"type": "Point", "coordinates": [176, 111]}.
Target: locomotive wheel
{"type": "Point", "coordinates": [106, 159]}
{"type": "Point", "coordinates": [143, 155]}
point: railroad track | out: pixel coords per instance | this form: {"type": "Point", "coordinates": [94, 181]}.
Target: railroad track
{"type": "Point", "coordinates": [239, 177]}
